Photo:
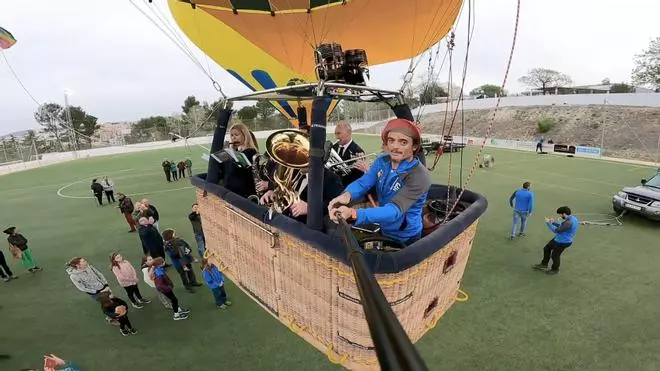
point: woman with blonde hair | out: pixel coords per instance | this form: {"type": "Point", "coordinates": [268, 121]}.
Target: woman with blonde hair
{"type": "Point", "coordinates": [237, 177]}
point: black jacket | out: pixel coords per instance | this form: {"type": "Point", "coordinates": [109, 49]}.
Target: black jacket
{"type": "Point", "coordinates": [237, 179]}
{"type": "Point", "coordinates": [18, 240]}
{"type": "Point", "coordinates": [97, 188]}
{"type": "Point", "coordinates": [332, 188]}
{"type": "Point", "coordinates": [152, 241]}
{"type": "Point", "coordinates": [109, 310]}
{"type": "Point", "coordinates": [353, 150]}
{"type": "Point", "coordinates": [196, 221]}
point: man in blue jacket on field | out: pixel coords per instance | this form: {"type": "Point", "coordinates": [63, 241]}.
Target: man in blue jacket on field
{"type": "Point", "coordinates": [401, 182]}
{"type": "Point", "coordinates": [564, 230]}
{"type": "Point", "coordinates": [522, 209]}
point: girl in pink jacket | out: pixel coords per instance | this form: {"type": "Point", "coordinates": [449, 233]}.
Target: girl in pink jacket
{"type": "Point", "coordinates": [127, 278]}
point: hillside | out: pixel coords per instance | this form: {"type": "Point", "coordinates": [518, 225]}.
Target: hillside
{"type": "Point", "coordinates": [627, 129]}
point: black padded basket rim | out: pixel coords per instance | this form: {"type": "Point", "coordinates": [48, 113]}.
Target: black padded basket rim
{"type": "Point", "coordinates": [379, 262]}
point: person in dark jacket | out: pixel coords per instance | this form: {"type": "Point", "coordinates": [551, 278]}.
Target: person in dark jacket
{"type": "Point", "coordinates": [117, 309]}
{"type": "Point", "coordinates": [5, 272]}
{"type": "Point", "coordinates": [19, 249]}
{"type": "Point", "coordinates": [152, 242]}
{"type": "Point", "coordinates": [347, 149]}
{"type": "Point", "coordinates": [166, 169]}
{"type": "Point", "coordinates": [97, 189]}
{"type": "Point", "coordinates": [165, 286]}
{"type": "Point", "coordinates": [196, 221]}
{"type": "Point", "coordinates": [126, 207]}
{"type": "Point", "coordinates": [150, 211]}
{"type": "Point", "coordinates": [182, 169]}
{"type": "Point", "coordinates": [332, 187]}
{"type": "Point", "coordinates": [237, 178]}
{"type": "Point", "coordinates": [180, 253]}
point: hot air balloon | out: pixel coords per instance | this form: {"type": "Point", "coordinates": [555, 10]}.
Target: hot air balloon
{"type": "Point", "coordinates": [270, 43]}
{"type": "Point", "coordinates": [316, 285]}
{"type": "Point", "coordinates": [7, 40]}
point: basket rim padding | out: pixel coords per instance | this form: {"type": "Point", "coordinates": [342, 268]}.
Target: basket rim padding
{"type": "Point", "coordinates": [379, 262]}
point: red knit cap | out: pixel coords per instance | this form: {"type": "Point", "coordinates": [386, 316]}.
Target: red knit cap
{"type": "Point", "coordinates": [402, 126]}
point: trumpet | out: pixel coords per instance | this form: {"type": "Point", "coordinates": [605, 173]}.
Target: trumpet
{"type": "Point", "coordinates": [340, 166]}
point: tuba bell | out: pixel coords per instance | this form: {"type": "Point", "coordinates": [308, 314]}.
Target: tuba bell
{"type": "Point", "coordinates": [289, 148]}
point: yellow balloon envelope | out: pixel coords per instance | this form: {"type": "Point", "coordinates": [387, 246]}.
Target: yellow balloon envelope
{"type": "Point", "coordinates": [267, 43]}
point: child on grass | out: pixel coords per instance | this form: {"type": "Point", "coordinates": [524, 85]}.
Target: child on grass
{"type": "Point", "coordinates": [117, 309]}
{"type": "Point", "coordinates": [215, 280]}
{"type": "Point", "coordinates": [165, 286]}
{"type": "Point", "coordinates": [147, 261]}
{"type": "Point", "coordinates": [127, 278]}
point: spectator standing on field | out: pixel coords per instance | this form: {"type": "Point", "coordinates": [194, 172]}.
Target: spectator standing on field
{"type": "Point", "coordinates": [196, 222]}
{"type": "Point", "coordinates": [20, 250]}
{"type": "Point", "coordinates": [97, 190]}
{"type": "Point", "coordinates": [173, 170]}
{"type": "Point", "coordinates": [109, 189]}
{"type": "Point", "coordinates": [126, 207]}
{"type": "Point", "coordinates": [150, 211]}
{"type": "Point", "coordinates": [5, 273]}
{"type": "Point", "coordinates": [182, 169]}
{"type": "Point", "coordinates": [166, 168]}
{"type": "Point", "coordinates": [522, 202]}
{"type": "Point", "coordinates": [189, 166]}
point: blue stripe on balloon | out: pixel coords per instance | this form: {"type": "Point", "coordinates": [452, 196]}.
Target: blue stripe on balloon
{"type": "Point", "coordinates": [267, 83]}
{"type": "Point", "coordinates": [239, 78]}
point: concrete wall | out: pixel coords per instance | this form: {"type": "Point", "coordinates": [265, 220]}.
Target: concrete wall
{"type": "Point", "coordinates": [59, 157]}
{"type": "Point", "coordinates": [631, 99]}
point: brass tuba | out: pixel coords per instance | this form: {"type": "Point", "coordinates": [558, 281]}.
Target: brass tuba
{"type": "Point", "coordinates": [290, 149]}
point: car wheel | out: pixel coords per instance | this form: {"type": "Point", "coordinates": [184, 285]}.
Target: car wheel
{"type": "Point", "coordinates": [617, 209]}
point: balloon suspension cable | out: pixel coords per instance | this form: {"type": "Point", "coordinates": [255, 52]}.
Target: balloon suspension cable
{"type": "Point", "coordinates": [492, 121]}
{"type": "Point", "coordinates": [18, 79]}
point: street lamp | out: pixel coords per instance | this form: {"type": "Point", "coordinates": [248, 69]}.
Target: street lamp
{"type": "Point", "coordinates": [67, 92]}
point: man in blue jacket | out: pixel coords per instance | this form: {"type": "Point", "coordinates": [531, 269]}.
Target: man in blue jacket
{"type": "Point", "coordinates": [524, 204]}
{"type": "Point", "coordinates": [564, 230]}
{"type": "Point", "coordinates": [401, 183]}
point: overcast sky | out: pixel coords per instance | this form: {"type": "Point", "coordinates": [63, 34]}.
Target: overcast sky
{"type": "Point", "coordinates": [121, 67]}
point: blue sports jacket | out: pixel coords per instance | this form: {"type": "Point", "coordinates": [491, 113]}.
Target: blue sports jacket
{"type": "Point", "coordinates": [524, 200]}
{"type": "Point", "coordinates": [564, 232]}
{"type": "Point", "coordinates": [401, 194]}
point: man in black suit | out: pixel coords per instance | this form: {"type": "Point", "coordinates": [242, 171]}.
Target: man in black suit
{"type": "Point", "coordinates": [347, 149]}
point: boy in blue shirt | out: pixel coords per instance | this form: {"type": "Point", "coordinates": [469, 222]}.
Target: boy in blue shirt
{"type": "Point", "coordinates": [522, 209]}
{"type": "Point", "coordinates": [215, 280]}
{"type": "Point", "coordinates": [564, 230]}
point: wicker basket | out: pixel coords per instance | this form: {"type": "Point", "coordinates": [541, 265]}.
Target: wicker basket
{"type": "Point", "coordinates": [314, 293]}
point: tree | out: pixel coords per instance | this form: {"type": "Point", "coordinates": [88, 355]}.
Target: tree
{"type": "Point", "coordinates": [247, 113]}
{"type": "Point", "coordinates": [83, 123]}
{"type": "Point", "coordinates": [544, 78]}
{"type": "Point", "coordinates": [429, 92]}
{"type": "Point", "coordinates": [189, 103]}
{"type": "Point", "coordinates": [647, 66]}
{"type": "Point", "coordinates": [488, 90]}
{"type": "Point", "coordinates": [149, 128]}
{"type": "Point", "coordinates": [49, 116]}
{"type": "Point", "coordinates": [622, 88]}
{"type": "Point", "coordinates": [264, 109]}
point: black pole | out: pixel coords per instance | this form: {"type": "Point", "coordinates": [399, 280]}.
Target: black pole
{"type": "Point", "coordinates": [402, 111]}
{"type": "Point", "coordinates": [320, 107]}
{"type": "Point", "coordinates": [394, 349]}
{"type": "Point", "coordinates": [213, 172]}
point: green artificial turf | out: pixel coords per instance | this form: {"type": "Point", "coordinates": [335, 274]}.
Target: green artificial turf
{"type": "Point", "coordinates": [599, 313]}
